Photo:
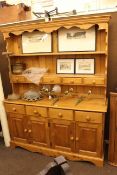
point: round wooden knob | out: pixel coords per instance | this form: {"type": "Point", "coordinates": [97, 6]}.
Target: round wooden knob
{"type": "Point", "coordinates": [72, 82]}
{"type": "Point", "coordinates": [51, 81]}
{"type": "Point", "coordinates": [77, 139]}
{"type": "Point", "coordinates": [94, 81]}
{"type": "Point", "coordinates": [29, 131]}
{"type": "Point", "coordinates": [88, 118]}
{"type": "Point", "coordinates": [14, 109]}
{"type": "Point", "coordinates": [71, 138]}
{"type": "Point", "coordinates": [60, 115]}
{"type": "Point", "coordinates": [25, 130]}
{"type": "Point", "coordinates": [35, 112]}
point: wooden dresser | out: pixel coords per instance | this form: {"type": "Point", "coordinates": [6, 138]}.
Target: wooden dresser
{"type": "Point", "coordinates": [63, 128]}
{"type": "Point", "coordinates": [112, 153]}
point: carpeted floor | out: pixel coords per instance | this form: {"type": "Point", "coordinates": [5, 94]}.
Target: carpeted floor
{"type": "Point", "coordinates": [22, 162]}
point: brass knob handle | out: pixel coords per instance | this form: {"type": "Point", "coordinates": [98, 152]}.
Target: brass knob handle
{"type": "Point", "coordinates": [35, 112]}
{"type": "Point", "coordinates": [25, 130]}
{"type": "Point", "coordinates": [77, 139]}
{"type": "Point", "coordinates": [71, 138]}
{"type": "Point", "coordinates": [60, 115]}
{"type": "Point", "coordinates": [14, 109]}
{"type": "Point", "coordinates": [88, 118]}
{"type": "Point", "coordinates": [29, 131]}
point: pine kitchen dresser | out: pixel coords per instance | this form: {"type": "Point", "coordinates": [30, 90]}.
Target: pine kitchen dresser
{"type": "Point", "coordinates": [73, 126]}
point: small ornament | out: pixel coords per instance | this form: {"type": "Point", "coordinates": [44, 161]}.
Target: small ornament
{"type": "Point", "coordinates": [89, 92]}
{"type": "Point", "coordinates": [71, 90]}
{"type": "Point", "coordinates": [56, 89]}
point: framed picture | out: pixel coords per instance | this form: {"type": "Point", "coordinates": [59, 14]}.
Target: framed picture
{"type": "Point", "coordinates": [65, 66]}
{"type": "Point", "coordinates": [85, 66]}
{"type": "Point", "coordinates": [35, 42]}
{"type": "Point", "coordinates": [75, 39]}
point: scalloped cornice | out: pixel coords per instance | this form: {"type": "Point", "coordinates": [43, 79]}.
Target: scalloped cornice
{"type": "Point", "coordinates": [83, 22]}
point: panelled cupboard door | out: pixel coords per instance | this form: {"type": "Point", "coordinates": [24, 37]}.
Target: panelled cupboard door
{"type": "Point", "coordinates": [115, 153]}
{"type": "Point", "coordinates": [89, 139]}
{"type": "Point", "coordinates": [62, 135]}
{"type": "Point", "coordinates": [112, 154]}
{"type": "Point", "coordinates": [17, 127]}
{"type": "Point", "coordinates": [38, 133]}
{"type": "Point", "coordinates": [115, 139]}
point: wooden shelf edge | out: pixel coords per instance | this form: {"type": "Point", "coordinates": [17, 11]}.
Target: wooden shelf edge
{"type": "Point", "coordinates": [61, 53]}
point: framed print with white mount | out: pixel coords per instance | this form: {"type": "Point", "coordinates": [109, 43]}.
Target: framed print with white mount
{"type": "Point", "coordinates": [76, 39]}
{"type": "Point", "coordinates": [65, 66]}
{"type": "Point", "coordinates": [36, 42]}
{"type": "Point", "coordinates": [85, 66]}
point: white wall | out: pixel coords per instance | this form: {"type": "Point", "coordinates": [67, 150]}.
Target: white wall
{"type": "Point", "coordinates": [67, 5]}
{"type": "Point", "coordinates": [108, 3]}
{"type": "Point", "coordinates": [3, 117]}
{"type": "Point", "coordinates": [64, 5]}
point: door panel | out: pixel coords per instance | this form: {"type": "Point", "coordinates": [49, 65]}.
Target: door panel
{"type": "Point", "coordinates": [17, 127]}
{"type": "Point", "coordinates": [115, 153]}
{"type": "Point", "coordinates": [88, 139]}
{"type": "Point", "coordinates": [62, 135]}
{"type": "Point", "coordinates": [115, 141]}
{"type": "Point", "coordinates": [38, 131]}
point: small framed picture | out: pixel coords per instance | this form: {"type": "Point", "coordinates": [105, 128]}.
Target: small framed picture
{"type": "Point", "coordinates": [85, 66]}
{"type": "Point", "coordinates": [65, 66]}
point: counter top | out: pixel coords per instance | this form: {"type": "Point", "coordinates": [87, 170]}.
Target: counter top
{"type": "Point", "coordinates": [97, 104]}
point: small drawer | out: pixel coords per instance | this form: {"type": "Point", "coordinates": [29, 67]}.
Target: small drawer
{"type": "Point", "coordinates": [51, 80]}
{"type": "Point", "coordinates": [19, 79]}
{"type": "Point", "coordinates": [20, 109]}
{"type": "Point", "coordinates": [36, 111]}
{"type": "Point", "coordinates": [69, 80]}
{"type": "Point", "coordinates": [91, 117]}
{"type": "Point", "coordinates": [61, 114]}
{"type": "Point", "coordinates": [94, 81]}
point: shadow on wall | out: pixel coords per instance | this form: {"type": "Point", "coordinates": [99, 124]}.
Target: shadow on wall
{"type": "Point", "coordinates": [4, 68]}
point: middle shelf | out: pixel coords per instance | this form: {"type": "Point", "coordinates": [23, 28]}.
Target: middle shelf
{"type": "Point", "coordinates": [59, 53]}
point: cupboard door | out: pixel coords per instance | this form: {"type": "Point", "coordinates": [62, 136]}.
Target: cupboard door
{"type": "Point", "coordinates": [112, 154]}
{"type": "Point", "coordinates": [115, 151]}
{"type": "Point", "coordinates": [17, 127]}
{"type": "Point", "coordinates": [89, 139]}
{"type": "Point", "coordinates": [62, 135]}
{"type": "Point", "coordinates": [115, 132]}
{"type": "Point", "coordinates": [113, 119]}
{"type": "Point", "coordinates": [38, 131]}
